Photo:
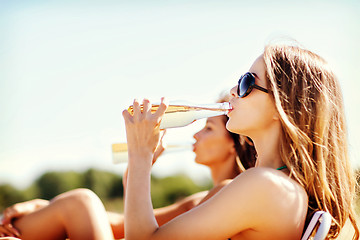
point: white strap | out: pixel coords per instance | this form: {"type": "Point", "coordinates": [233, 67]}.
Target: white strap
{"type": "Point", "coordinates": [325, 222]}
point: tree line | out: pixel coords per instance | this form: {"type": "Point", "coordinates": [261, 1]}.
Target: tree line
{"type": "Point", "coordinates": [107, 185]}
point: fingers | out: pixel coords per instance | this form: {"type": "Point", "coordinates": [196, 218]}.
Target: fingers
{"type": "Point", "coordinates": [6, 226]}
{"type": "Point", "coordinates": [13, 230]}
{"type": "Point", "coordinates": [9, 238]}
{"type": "Point", "coordinates": [137, 110]}
{"type": "Point", "coordinates": [162, 108]}
{"type": "Point", "coordinates": [9, 214]}
{"type": "Point", "coordinates": [8, 231]}
{"type": "Point", "coordinates": [146, 107]}
{"type": "Point", "coordinates": [143, 111]}
{"type": "Point", "coordinates": [126, 115]}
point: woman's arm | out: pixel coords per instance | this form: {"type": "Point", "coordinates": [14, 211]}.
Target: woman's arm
{"type": "Point", "coordinates": [143, 136]}
{"type": "Point", "coordinates": [162, 215]}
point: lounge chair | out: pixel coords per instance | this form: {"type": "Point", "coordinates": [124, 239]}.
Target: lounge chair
{"type": "Point", "coordinates": [318, 225]}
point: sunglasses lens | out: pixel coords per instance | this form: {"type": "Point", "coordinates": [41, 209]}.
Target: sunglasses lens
{"type": "Point", "coordinates": [245, 83]}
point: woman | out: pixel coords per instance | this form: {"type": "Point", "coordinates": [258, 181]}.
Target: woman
{"type": "Point", "coordinates": [215, 147]}
{"type": "Point", "coordinates": [290, 105]}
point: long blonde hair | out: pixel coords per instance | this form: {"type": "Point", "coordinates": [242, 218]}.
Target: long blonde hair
{"type": "Point", "coordinates": [314, 144]}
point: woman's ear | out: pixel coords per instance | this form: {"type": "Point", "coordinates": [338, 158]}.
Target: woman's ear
{"type": "Point", "coordinates": [276, 116]}
{"type": "Point", "coordinates": [233, 150]}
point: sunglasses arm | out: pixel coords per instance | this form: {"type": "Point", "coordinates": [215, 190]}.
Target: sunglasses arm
{"type": "Point", "coordinates": [260, 88]}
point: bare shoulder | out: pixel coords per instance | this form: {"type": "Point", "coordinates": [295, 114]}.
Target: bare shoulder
{"type": "Point", "coordinates": [279, 199]}
{"type": "Point", "coordinates": [273, 184]}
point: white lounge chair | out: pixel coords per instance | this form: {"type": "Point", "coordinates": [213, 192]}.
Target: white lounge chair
{"type": "Point", "coordinates": [320, 223]}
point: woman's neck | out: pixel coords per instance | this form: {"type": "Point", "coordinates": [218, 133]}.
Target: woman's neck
{"type": "Point", "coordinates": [267, 147]}
{"type": "Point", "coordinates": [224, 170]}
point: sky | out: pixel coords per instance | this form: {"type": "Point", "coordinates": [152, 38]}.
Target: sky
{"type": "Point", "coordinates": [69, 68]}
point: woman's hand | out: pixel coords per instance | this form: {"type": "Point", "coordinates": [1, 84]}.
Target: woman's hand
{"type": "Point", "coordinates": [143, 131]}
{"type": "Point", "coordinates": [21, 209]}
{"type": "Point", "coordinates": [16, 211]}
{"type": "Point", "coordinates": [8, 230]}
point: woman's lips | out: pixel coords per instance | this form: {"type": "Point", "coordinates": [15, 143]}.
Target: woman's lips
{"type": "Point", "coordinates": [194, 147]}
{"type": "Point", "coordinates": [230, 110]}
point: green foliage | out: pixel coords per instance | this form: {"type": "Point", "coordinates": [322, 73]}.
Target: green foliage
{"type": "Point", "coordinates": [9, 195]}
{"type": "Point", "coordinates": [52, 184]}
{"type": "Point", "coordinates": [31, 192]}
{"type": "Point", "coordinates": [168, 190]}
{"type": "Point", "coordinates": [107, 185]}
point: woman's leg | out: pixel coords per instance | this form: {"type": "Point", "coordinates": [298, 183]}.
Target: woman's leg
{"type": "Point", "coordinates": [77, 214]}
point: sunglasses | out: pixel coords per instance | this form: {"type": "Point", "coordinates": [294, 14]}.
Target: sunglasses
{"type": "Point", "coordinates": [246, 84]}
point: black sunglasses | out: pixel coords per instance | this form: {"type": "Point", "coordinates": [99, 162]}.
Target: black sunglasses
{"type": "Point", "coordinates": [246, 84]}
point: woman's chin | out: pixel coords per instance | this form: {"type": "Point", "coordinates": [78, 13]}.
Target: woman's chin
{"type": "Point", "coordinates": [231, 128]}
{"type": "Point", "coordinates": [198, 161]}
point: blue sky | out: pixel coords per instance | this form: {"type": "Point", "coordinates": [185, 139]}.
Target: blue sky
{"type": "Point", "coordinates": [68, 69]}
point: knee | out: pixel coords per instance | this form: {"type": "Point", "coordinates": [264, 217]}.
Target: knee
{"type": "Point", "coordinates": [77, 199]}
{"type": "Point", "coordinates": [82, 195]}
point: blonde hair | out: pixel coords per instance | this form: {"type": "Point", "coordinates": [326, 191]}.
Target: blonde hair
{"type": "Point", "coordinates": [314, 144]}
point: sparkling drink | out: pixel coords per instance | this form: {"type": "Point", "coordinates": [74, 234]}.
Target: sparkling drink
{"type": "Point", "coordinates": [178, 114]}
{"type": "Point", "coordinates": [181, 113]}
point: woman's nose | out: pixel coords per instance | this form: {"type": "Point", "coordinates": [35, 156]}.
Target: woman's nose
{"type": "Point", "coordinates": [196, 136]}
{"type": "Point", "coordinates": [233, 91]}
